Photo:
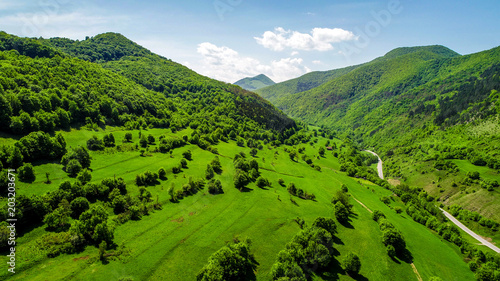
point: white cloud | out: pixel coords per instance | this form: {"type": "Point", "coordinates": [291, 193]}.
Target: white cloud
{"type": "Point", "coordinates": [226, 64]}
{"type": "Point", "coordinates": [319, 39]}
{"type": "Point", "coordinates": [294, 53]}
{"type": "Point", "coordinates": [317, 62]}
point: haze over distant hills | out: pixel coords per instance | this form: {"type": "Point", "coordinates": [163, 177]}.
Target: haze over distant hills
{"type": "Point", "coordinates": [255, 83]}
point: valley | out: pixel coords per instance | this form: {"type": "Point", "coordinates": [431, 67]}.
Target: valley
{"type": "Point", "coordinates": [129, 166]}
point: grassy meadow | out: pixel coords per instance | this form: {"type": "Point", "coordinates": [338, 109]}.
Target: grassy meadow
{"type": "Point", "coordinates": [175, 242]}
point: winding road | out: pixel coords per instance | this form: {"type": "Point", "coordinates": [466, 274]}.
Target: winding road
{"type": "Point", "coordinates": [379, 165]}
{"type": "Point", "coordinates": [448, 215]}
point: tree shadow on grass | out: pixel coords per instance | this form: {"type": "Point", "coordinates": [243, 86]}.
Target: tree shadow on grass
{"type": "Point", "coordinates": [336, 240]}
{"type": "Point", "coordinates": [332, 271]}
{"type": "Point", "coordinates": [358, 277]}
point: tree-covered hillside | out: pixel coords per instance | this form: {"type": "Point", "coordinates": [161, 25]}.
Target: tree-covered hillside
{"type": "Point", "coordinates": [255, 83]}
{"type": "Point", "coordinates": [123, 165]}
{"type": "Point", "coordinates": [419, 107]}
{"type": "Point", "coordinates": [117, 53]}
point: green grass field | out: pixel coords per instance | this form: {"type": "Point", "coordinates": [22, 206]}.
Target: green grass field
{"type": "Point", "coordinates": [174, 243]}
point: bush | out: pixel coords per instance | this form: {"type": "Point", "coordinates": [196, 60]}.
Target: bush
{"type": "Point", "coordinates": [184, 163]}
{"type": "Point", "coordinates": [209, 172]}
{"type": "Point", "coordinates": [215, 187]}
{"type": "Point", "coordinates": [377, 214]}
{"type": "Point", "coordinates": [128, 137]}
{"type": "Point", "coordinates": [162, 174]}
{"type": "Point", "coordinates": [262, 182]}
{"type": "Point", "coordinates": [109, 140]}
{"type": "Point", "coordinates": [188, 155]}
{"type": "Point", "coordinates": [26, 173]}
{"type": "Point", "coordinates": [95, 144]}
{"type": "Point", "coordinates": [281, 182]}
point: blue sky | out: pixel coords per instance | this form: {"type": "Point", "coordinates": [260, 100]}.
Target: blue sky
{"type": "Point", "coordinates": [232, 39]}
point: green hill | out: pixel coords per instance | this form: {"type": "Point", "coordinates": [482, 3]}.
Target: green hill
{"type": "Point", "coordinates": [129, 166]}
{"type": "Point", "coordinates": [254, 83]}
{"type": "Point", "coordinates": [419, 107]}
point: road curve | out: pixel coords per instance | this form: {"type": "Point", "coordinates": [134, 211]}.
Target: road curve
{"type": "Point", "coordinates": [448, 215]}
{"type": "Point", "coordinates": [470, 232]}
{"type": "Point", "coordinates": [379, 165]}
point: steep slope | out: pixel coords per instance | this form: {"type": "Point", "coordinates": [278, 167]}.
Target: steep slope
{"type": "Point", "coordinates": [255, 83]}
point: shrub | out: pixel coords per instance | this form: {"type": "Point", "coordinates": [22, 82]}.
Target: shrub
{"type": "Point", "coordinates": [162, 174]}
{"type": "Point", "coordinates": [95, 144]}
{"type": "Point", "coordinates": [377, 214]}
{"type": "Point", "coordinates": [215, 187]}
{"type": "Point", "coordinates": [26, 173]}
{"type": "Point", "coordinates": [281, 182]}
{"type": "Point", "coordinates": [209, 172]}
{"type": "Point", "coordinates": [262, 182]}
{"type": "Point", "coordinates": [188, 155]}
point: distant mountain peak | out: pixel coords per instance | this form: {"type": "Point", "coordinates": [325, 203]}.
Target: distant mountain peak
{"type": "Point", "coordinates": [255, 83]}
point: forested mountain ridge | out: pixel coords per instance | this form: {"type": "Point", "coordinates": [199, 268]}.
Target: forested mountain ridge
{"type": "Point", "coordinates": [145, 89]}
{"type": "Point", "coordinates": [317, 78]}
{"type": "Point", "coordinates": [254, 83]}
{"type": "Point", "coordinates": [419, 107]}
{"type": "Point", "coordinates": [119, 54]}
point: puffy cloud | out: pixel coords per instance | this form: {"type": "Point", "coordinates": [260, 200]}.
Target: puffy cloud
{"type": "Point", "coordinates": [319, 39]}
{"type": "Point", "coordinates": [226, 64]}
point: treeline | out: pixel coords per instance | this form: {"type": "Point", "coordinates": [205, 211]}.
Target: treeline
{"type": "Point", "coordinates": [310, 251]}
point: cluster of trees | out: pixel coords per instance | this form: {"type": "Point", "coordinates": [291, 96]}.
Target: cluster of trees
{"type": "Point", "coordinates": [245, 171]}
{"type": "Point", "coordinates": [94, 143]}
{"type": "Point", "coordinates": [299, 192]}
{"type": "Point", "coordinates": [310, 251]}
{"type": "Point", "coordinates": [467, 216]}
{"type": "Point", "coordinates": [214, 167]}
{"type": "Point", "coordinates": [33, 147]}
{"type": "Point", "coordinates": [149, 178]}
{"type": "Point", "coordinates": [341, 205]}
{"type": "Point", "coordinates": [391, 237]}
{"type": "Point", "coordinates": [190, 188]}
{"type": "Point", "coordinates": [75, 160]}
{"type": "Point", "coordinates": [232, 262]}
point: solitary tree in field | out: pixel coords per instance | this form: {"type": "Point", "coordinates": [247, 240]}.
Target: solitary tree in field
{"type": "Point", "coordinates": [351, 263]}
